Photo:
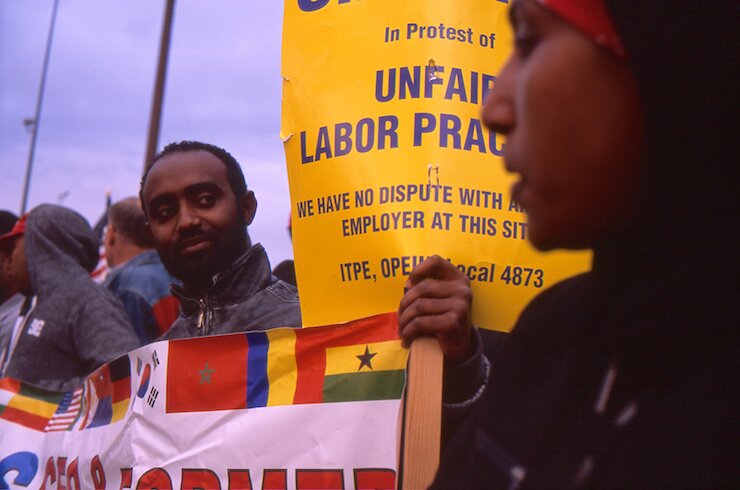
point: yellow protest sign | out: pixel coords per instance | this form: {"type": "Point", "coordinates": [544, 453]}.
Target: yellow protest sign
{"type": "Point", "coordinates": [388, 161]}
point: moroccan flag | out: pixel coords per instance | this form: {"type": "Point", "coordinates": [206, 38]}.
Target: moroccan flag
{"type": "Point", "coordinates": [207, 373]}
{"type": "Point", "coordinates": [26, 405]}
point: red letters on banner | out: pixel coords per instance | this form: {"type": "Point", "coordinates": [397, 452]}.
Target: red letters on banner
{"type": "Point", "coordinates": [67, 477]}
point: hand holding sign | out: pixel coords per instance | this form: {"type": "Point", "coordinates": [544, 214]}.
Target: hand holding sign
{"type": "Point", "coordinates": [437, 304]}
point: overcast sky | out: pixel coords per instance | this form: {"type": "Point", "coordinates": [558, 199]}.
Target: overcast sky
{"type": "Point", "coordinates": [223, 87]}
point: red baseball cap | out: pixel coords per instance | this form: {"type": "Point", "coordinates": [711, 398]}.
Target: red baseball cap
{"type": "Point", "coordinates": [18, 229]}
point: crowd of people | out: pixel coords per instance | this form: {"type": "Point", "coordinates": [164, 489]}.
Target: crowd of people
{"type": "Point", "coordinates": [619, 128]}
{"type": "Point", "coordinates": [182, 265]}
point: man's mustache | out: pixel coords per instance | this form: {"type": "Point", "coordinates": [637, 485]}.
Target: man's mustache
{"type": "Point", "coordinates": [191, 237]}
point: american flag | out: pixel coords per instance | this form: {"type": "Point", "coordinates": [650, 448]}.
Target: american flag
{"type": "Point", "coordinates": [67, 412]}
{"type": "Point", "coordinates": [101, 270]}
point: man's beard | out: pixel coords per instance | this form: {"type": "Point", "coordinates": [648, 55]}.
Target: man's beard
{"type": "Point", "coordinates": [196, 271]}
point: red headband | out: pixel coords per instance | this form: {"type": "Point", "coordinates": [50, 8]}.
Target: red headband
{"type": "Point", "coordinates": [591, 18]}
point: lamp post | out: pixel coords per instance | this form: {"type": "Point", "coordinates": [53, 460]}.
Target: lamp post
{"type": "Point", "coordinates": [156, 114]}
{"type": "Point", "coordinates": [39, 100]}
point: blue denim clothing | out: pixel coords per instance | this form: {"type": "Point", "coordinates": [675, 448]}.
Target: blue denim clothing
{"type": "Point", "coordinates": [242, 298]}
{"type": "Point", "coordinates": [143, 286]}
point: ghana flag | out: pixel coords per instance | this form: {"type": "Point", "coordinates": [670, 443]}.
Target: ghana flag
{"type": "Point", "coordinates": [361, 360]}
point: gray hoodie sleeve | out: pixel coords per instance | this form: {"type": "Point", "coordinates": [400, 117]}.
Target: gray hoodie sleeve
{"type": "Point", "coordinates": [102, 331]}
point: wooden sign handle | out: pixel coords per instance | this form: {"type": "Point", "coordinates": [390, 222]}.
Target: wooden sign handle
{"type": "Point", "coordinates": [422, 419]}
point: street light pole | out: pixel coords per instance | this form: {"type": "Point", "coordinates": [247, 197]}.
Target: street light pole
{"type": "Point", "coordinates": [156, 114]}
{"type": "Point", "coordinates": [39, 101]}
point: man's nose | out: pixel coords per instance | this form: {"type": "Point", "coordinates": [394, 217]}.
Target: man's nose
{"type": "Point", "coordinates": [187, 218]}
{"type": "Point", "coordinates": [498, 110]}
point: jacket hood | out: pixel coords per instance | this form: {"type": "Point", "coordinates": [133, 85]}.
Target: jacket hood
{"type": "Point", "coordinates": [60, 247]}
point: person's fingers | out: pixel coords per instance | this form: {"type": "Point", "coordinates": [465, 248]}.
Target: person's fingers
{"type": "Point", "coordinates": [446, 328]}
{"type": "Point", "coordinates": [434, 297]}
{"type": "Point", "coordinates": [434, 267]}
{"type": "Point", "coordinates": [444, 318]}
{"type": "Point", "coordinates": [435, 288]}
{"type": "Point", "coordinates": [437, 303]}
{"type": "Point", "coordinates": [433, 307]}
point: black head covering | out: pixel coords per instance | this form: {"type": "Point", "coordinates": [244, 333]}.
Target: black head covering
{"type": "Point", "coordinates": [684, 55]}
{"type": "Point", "coordinates": [678, 260]}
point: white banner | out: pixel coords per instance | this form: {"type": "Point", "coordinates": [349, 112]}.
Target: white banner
{"type": "Point", "coordinates": [239, 411]}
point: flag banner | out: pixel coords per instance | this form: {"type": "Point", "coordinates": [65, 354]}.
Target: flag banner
{"type": "Point", "coordinates": [388, 161]}
{"type": "Point", "coordinates": [281, 409]}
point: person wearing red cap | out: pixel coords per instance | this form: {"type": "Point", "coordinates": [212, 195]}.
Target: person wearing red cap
{"type": "Point", "coordinates": [10, 300]}
{"type": "Point", "coordinates": [620, 129]}
{"type": "Point", "coordinates": [68, 325]}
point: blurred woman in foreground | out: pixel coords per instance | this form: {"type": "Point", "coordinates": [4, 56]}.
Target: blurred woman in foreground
{"type": "Point", "coordinates": [620, 118]}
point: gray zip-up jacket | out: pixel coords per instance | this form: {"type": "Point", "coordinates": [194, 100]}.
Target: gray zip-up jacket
{"type": "Point", "coordinates": [244, 297]}
{"type": "Point", "coordinates": [74, 325]}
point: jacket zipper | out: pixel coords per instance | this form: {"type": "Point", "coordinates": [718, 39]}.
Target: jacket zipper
{"type": "Point", "coordinates": [203, 316]}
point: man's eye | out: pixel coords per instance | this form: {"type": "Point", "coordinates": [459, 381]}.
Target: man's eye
{"type": "Point", "coordinates": [205, 200]}
{"type": "Point", "coordinates": [163, 213]}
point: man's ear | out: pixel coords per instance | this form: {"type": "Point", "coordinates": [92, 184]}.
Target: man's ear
{"type": "Point", "coordinates": [110, 235]}
{"type": "Point", "coordinates": [248, 207]}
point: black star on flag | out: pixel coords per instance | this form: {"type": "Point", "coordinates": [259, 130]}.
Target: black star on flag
{"type": "Point", "coordinates": [366, 358]}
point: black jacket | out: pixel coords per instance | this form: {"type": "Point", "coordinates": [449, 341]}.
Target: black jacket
{"type": "Point", "coordinates": [572, 403]}
{"type": "Point", "coordinates": [627, 376]}
{"type": "Point", "coordinates": [242, 298]}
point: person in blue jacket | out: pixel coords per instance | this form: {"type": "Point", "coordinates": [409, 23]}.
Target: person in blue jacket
{"type": "Point", "coordinates": [137, 276]}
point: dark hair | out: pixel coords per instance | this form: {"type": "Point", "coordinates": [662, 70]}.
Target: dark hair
{"type": "Point", "coordinates": [7, 221]}
{"type": "Point", "coordinates": [233, 170]}
{"type": "Point", "coordinates": [128, 218]}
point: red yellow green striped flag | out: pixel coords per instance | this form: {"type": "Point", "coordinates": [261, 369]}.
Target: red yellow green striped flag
{"type": "Point", "coordinates": [27, 405]}
{"type": "Point", "coordinates": [357, 361]}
